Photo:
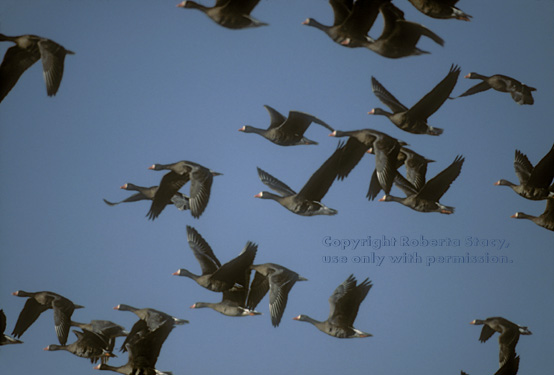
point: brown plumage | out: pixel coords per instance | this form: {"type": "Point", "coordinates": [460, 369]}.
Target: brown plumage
{"type": "Point", "coordinates": [427, 198]}
{"type": "Point", "coordinates": [414, 119]}
{"type": "Point", "coordinates": [181, 172]}
{"type": "Point", "coordinates": [181, 201]}
{"type": "Point", "coordinates": [144, 344]}
{"type": "Point", "coordinates": [91, 345]}
{"type": "Point", "coordinates": [287, 131]}
{"type": "Point", "coordinates": [5, 339]}
{"type": "Point", "coordinates": [344, 304]}
{"type": "Point", "coordinates": [545, 220]}
{"type": "Point", "coordinates": [520, 93]}
{"type": "Point", "coordinates": [232, 14]}
{"type": "Point", "coordinates": [352, 21]}
{"type": "Point", "coordinates": [442, 9]}
{"type": "Point", "coordinates": [217, 277]}
{"type": "Point", "coordinates": [509, 335]}
{"type": "Point", "coordinates": [276, 279]}
{"type": "Point", "coordinates": [385, 148]}
{"type": "Point", "coordinates": [37, 303]}
{"type": "Point", "coordinates": [307, 202]}
{"type": "Point", "coordinates": [399, 37]}
{"type": "Point", "coordinates": [28, 50]}
{"type": "Point", "coordinates": [535, 183]}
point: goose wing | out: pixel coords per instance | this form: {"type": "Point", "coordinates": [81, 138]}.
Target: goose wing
{"type": "Point", "coordinates": [16, 61]}
{"type": "Point", "coordinates": [53, 56]}
{"type": "Point", "coordinates": [275, 118]}
{"type": "Point", "coordinates": [523, 167]}
{"type": "Point", "coordinates": [63, 309]}
{"type": "Point", "coordinates": [2, 322]}
{"type": "Point", "coordinates": [435, 188]}
{"type": "Point", "coordinates": [258, 289]}
{"type": "Point", "coordinates": [480, 87]}
{"type": "Point", "coordinates": [341, 10]}
{"type": "Point", "coordinates": [386, 97]}
{"type": "Point", "coordinates": [242, 6]}
{"type": "Point", "coordinates": [232, 272]}
{"type": "Point", "coordinates": [435, 98]}
{"type": "Point", "coordinates": [543, 173]}
{"type": "Point", "coordinates": [169, 185]}
{"type": "Point", "coordinates": [320, 182]}
{"type": "Point", "coordinates": [363, 16]}
{"type": "Point", "coordinates": [200, 187]}
{"type": "Point", "coordinates": [31, 311]}
{"type": "Point", "coordinates": [202, 252]}
{"type": "Point", "coordinates": [280, 284]}
{"type": "Point", "coordinates": [298, 122]}
{"type": "Point", "coordinates": [274, 183]}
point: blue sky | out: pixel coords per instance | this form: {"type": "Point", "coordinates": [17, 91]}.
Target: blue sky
{"type": "Point", "coordinates": [152, 83]}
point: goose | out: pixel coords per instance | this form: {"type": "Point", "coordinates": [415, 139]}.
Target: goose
{"type": "Point", "coordinates": [416, 170]}
{"type": "Point", "coordinates": [276, 279]}
{"type": "Point", "coordinates": [150, 321]}
{"type": "Point", "coordinates": [28, 50]}
{"type": "Point", "coordinates": [144, 346]}
{"type": "Point", "coordinates": [37, 303]}
{"type": "Point", "coordinates": [520, 93]}
{"type": "Point", "coordinates": [534, 182]}
{"type": "Point", "coordinates": [181, 172]}
{"type": "Point", "coordinates": [152, 317]}
{"type": "Point", "coordinates": [5, 339]}
{"type": "Point", "coordinates": [398, 38]}
{"type": "Point", "coordinates": [414, 120]}
{"type": "Point", "coordinates": [344, 304]}
{"type": "Point", "coordinates": [545, 220]}
{"type": "Point", "coordinates": [427, 198]}
{"type": "Point", "coordinates": [385, 148]}
{"type": "Point", "coordinates": [89, 345]}
{"type": "Point", "coordinates": [216, 277]}
{"type": "Point", "coordinates": [441, 9]}
{"type": "Point", "coordinates": [232, 14]}
{"type": "Point", "coordinates": [105, 328]}
{"type": "Point", "coordinates": [352, 20]}
{"type": "Point", "coordinates": [509, 335]}
{"type": "Point", "coordinates": [233, 302]}
{"type": "Point", "coordinates": [181, 201]}
{"type": "Point", "coordinates": [307, 202]}
{"type": "Point", "coordinates": [287, 131]}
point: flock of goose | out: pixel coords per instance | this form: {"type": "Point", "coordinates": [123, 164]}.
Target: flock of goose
{"type": "Point", "coordinates": [353, 21]}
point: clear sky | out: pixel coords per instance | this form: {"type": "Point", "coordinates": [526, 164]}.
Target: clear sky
{"type": "Point", "coordinates": [152, 83]}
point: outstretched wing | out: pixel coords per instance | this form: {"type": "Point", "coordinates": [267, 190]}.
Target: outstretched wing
{"type": "Point", "coordinates": [386, 97]}
{"type": "Point", "coordinates": [202, 251]}
{"type": "Point", "coordinates": [274, 183]}
{"type": "Point", "coordinates": [435, 188]}
{"type": "Point", "coordinates": [434, 99]}
{"type": "Point", "coordinates": [16, 61]}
